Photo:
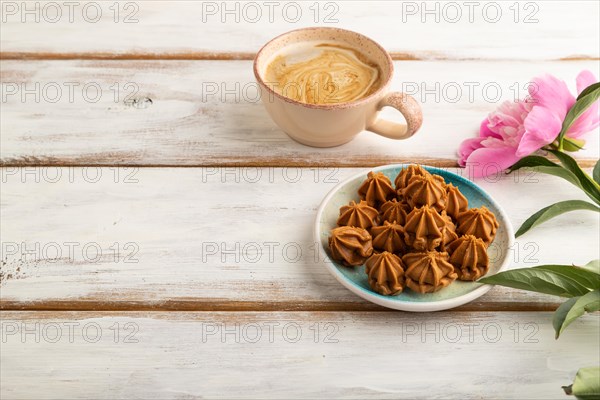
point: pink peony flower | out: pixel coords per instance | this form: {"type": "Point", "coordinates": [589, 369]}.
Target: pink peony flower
{"type": "Point", "coordinates": [518, 129]}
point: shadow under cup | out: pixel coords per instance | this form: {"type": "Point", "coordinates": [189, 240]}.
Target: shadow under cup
{"type": "Point", "coordinates": [323, 125]}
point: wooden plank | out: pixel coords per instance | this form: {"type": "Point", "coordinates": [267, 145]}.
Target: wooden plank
{"type": "Point", "coordinates": [219, 239]}
{"type": "Point", "coordinates": [412, 30]}
{"type": "Point", "coordinates": [206, 113]}
{"type": "Point", "coordinates": [291, 355]}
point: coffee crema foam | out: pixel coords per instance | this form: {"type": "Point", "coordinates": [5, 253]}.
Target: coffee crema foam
{"type": "Point", "coordinates": [322, 73]}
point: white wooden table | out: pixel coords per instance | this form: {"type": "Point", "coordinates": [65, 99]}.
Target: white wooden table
{"type": "Point", "coordinates": [156, 225]}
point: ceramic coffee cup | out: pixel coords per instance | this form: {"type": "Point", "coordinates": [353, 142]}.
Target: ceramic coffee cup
{"type": "Point", "coordinates": [328, 125]}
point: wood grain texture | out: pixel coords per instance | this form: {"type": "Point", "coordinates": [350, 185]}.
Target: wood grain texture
{"type": "Point", "coordinates": [230, 239]}
{"type": "Point", "coordinates": [188, 265]}
{"type": "Point", "coordinates": [207, 113]}
{"type": "Point", "coordinates": [180, 29]}
{"type": "Point", "coordinates": [291, 355]}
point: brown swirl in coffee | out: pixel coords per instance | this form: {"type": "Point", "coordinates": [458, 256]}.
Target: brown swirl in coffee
{"type": "Point", "coordinates": [322, 73]}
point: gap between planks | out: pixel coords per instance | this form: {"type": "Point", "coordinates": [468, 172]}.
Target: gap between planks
{"type": "Point", "coordinates": [227, 56]}
{"type": "Point", "coordinates": [248, 306]}
{"type": "Point", "coordinates": [122, 160]}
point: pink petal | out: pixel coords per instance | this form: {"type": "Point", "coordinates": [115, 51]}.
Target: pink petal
{"type": "Point", "coordinates": [590, 119]}
{"type": "Point", "coordinates": [585, 79]}
{"type": "Point", "coordinates": [466, 148]}
{"type": "Point", "coordinates": [587, 122]}
{"type": "Point", "coordinates": [552, 93]}
{"type": "Point", "coordinates": [508, 113]}
{"type": "Point", "coordinates": [484, 130]}
{"type": "Point", "coordinates": [542, 126]}
{"type": "Point", "coordinates": [490, 160]}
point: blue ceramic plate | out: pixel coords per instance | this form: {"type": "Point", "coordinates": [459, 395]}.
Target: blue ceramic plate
{"type": "Point", "coordinates": [456, 294]}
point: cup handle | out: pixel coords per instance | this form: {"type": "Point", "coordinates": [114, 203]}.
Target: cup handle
{"type": "Point", "coordinates": [408, 107]}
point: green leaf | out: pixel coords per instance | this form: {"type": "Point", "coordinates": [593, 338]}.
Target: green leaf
{"type": "Point", "coordinates": [586, 385]}
{"type": "Point", "coordinates": [561, 313]}
{"type": "Point", "coordinates": [572, 145]}
{"type": "Point", "coordinates": [553, 211]}
{"type": "Point", "coordinates": [596, 173]}
{"type": "Point", "coordinates": [592, 266]}
{"type": "Point", "coordinates": [588, 97]}
{"type": "Point", "coordinates": [533, 161]}
{"type": "Point", "coordinates": [588, 90]}
{"type": "Point", "coordinates": [587, 183]}
{"type": "Point", "coordinates": [587, 303]}
{"type": "Point", "coordinates": [585, 277]}
{"type": "Point", "coordinates": [561, 173]}
{"type": "Point", "coordinates": [545, 166]}
{"type": "Point", "coordinates": [540, 280]}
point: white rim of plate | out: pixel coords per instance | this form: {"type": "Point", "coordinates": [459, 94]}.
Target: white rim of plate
{"type": "Point", "coordinates": [392, 302]}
